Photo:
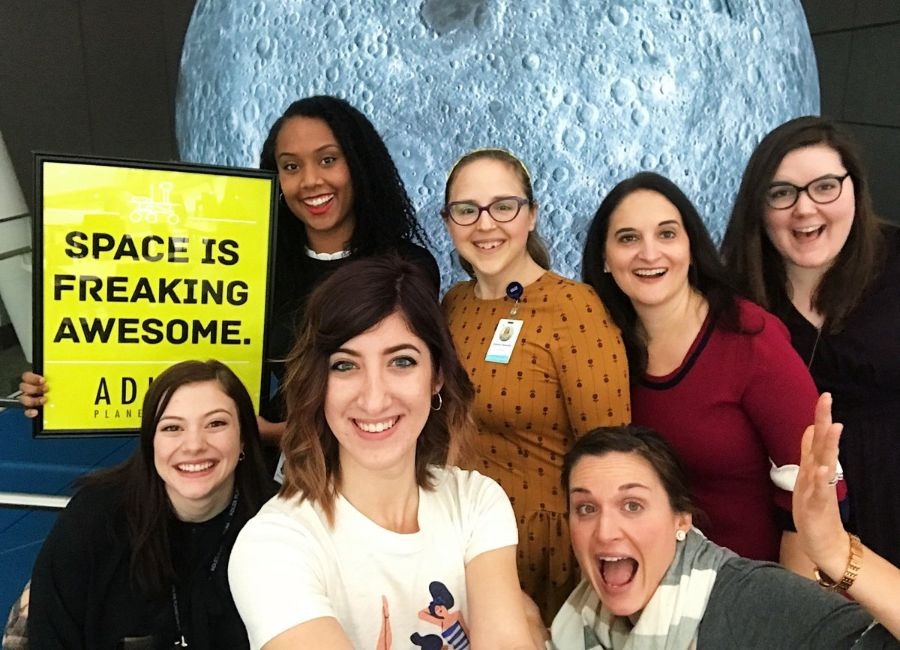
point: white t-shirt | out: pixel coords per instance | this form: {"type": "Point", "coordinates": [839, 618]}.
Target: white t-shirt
{"type": "Point", "coordinates": [289, 566]}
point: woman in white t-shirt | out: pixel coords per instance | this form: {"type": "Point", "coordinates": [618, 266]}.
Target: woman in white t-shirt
{"type": "Point", "coordinates": [374, 541]}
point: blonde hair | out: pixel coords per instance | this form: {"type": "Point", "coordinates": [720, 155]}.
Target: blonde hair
{"type": "Point", "coordinates": [534, 245]}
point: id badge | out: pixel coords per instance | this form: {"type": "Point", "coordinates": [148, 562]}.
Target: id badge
{"type": "Point", "coordinates": [504, 341]}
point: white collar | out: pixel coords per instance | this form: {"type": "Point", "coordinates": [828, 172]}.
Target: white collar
{"type": "Point", "coordinates": [326, 256]}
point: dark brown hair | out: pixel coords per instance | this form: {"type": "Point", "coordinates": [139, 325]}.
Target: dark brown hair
{"type": "Point", "coordinates": [534, 245]}
{"type": "Point", "coordinates": [757, 267]}
{"type": "Point", "coordinates": [356, 298]}
{"type": "Point", "coordinates": [706, 274]}
{"type": "Point", "coordinates": [147, 509]}
{"type": "Point", "coordinates": [646, 443]}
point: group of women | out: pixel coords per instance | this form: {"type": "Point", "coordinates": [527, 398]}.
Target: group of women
{"type": "Point", "coordinates": [376, 539]}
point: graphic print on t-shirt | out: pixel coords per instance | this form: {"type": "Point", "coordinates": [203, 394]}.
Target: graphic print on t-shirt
{"type": "Point", "coordinates": [453, 627]}
{"type": "Point", "coordinates": [438, 612]}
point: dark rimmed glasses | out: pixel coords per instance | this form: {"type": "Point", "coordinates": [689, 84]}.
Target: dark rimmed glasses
{"type": "Point", "coordinates": [825, 189]}
{"type": "Point", "coordinates": [502, 210]}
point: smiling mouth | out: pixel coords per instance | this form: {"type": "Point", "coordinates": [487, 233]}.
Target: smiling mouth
{"type": "Point", "coordinates": [488, 245]}
{"type": "Point", "coordinates": [317, 201]}
{"type": "Point", "coordinates": [318, 205]}
{"type": "Point", "coordinates": [376, 427]}
{"type": "Point", "coordinates": [617, 572]}
{"type": "Point", "coordinates": [193, 468]}
{"type": "Point", "coordinates": [650, 273]}
{"type": "Point", "coordinates": [810, 232]}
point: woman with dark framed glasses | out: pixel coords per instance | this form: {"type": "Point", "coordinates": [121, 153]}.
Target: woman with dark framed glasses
{"type": "Point", "coordinates": [546, 360]}
{"type": "Point", "coordinates": [805, 243]}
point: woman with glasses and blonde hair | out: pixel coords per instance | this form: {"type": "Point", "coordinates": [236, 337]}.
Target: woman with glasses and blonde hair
{"type": "Point", "coordinates": [546, 360]}
{"type": "Point", "coordinates": [805, 243]}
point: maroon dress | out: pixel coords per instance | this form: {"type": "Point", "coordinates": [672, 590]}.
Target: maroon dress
{"type": "Point", "coordinates": [738, 403]}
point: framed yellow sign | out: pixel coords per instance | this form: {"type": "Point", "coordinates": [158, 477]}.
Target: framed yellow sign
{"type": "Point", "coordinates": [139, 265]}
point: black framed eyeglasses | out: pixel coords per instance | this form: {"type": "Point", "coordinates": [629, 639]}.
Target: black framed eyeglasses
{"type": "Point", "coordinates": [822, 190]}
{"type": "Point", "coordinates": [502, 210]}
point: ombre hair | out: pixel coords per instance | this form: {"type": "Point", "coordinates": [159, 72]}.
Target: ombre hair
{"type": "Point", "coordinates": [534, 245]}
{"type": "Point", "coordinates": [354, 299]}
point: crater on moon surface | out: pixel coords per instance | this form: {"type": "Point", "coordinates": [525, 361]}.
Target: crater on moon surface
{"type": "Point", "coordinates": [586, 92]}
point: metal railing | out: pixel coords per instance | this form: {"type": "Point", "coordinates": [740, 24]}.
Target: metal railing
{"type": "Point", "coordinates": [33, 501]}
{"type": "Point", "coordinates": [16, 251]}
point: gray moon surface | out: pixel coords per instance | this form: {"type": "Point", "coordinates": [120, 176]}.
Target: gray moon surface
{"type": "Point", "coordinates": [586, 92]}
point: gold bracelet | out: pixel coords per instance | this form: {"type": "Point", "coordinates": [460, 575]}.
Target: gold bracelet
{"type": "Point", "coordinates": [854, 562]}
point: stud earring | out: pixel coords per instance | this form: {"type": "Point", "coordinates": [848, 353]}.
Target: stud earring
{"type": "Point", "coordinates": [241, 456]}
{"type": "Point", "coordinates": [680, 535]}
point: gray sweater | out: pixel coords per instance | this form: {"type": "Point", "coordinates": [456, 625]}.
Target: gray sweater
{"type": "Point", "coordinates": [762, 605]}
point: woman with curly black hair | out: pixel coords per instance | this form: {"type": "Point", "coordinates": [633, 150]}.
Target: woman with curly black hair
{"type": "Point", "coordinates": [341, 197]}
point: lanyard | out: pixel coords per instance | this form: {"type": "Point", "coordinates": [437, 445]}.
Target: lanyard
{"type": "Point", "coordinates": [180, 641]}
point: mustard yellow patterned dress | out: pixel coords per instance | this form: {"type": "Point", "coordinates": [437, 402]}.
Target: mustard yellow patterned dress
{"type": "Point", "coordinates": [567, 375]}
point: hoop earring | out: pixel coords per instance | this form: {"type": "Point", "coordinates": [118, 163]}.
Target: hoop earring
{"type": "Point", "coordinates": [281, 197]}
{"type": "Point", "coordinates": [241, 456]}
{"type": "Point", "coordinates": [440, 402]}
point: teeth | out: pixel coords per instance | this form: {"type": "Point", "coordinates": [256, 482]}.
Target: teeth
{"type": "Point", "coordinates": [376, 427]}
{"type": "Point", "coordinates": [613, 559]}
{"type": "Point", "coordinates": [807, 230]}
{"type": "Point", "coordinates": [649, 273]}
{"type": "Point", "coordinates": [319, 200]}
{"type": "Point", "coordinates": [195, 467]}
{"type": "Point", "coordinates": [487, 245]}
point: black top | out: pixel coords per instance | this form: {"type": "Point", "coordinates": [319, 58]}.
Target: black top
{"type": "Point", "coordinates": [82, 596]}
{"type": "Point", "coordinates": [296, 275]}
{"type": "Point", "coordinates": [860, 366]}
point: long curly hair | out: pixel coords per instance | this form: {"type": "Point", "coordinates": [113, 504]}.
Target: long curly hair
{"type": "Point", "coordinates": [384, 214]}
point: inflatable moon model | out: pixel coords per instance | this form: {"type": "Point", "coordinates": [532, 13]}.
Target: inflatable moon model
{"type": "Point", "coordinates": [586, 92]}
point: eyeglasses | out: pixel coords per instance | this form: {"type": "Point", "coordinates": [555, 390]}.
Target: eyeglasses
{"type": "Point", "coordinates": [822, 190]}
{"type": "Point", "coordinates": [465, 213]}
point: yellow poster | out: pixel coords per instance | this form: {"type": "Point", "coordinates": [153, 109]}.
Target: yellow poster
{"type": "Point", "coordinates": [139, 266]}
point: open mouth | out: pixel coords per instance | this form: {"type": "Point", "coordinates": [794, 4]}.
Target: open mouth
{"type": "Point", "coordinates": [376, 427]}
{"type": "Point", "coordinates": [810, 232]}
{"type": "Point", "coordinates": [650, 273]}
{"type": "Point", "coordinates": [195, 468]}
{"type": "Point", "coordinates": [617, 572]}
{"type": "Point", "coordinates": [318, 204]}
